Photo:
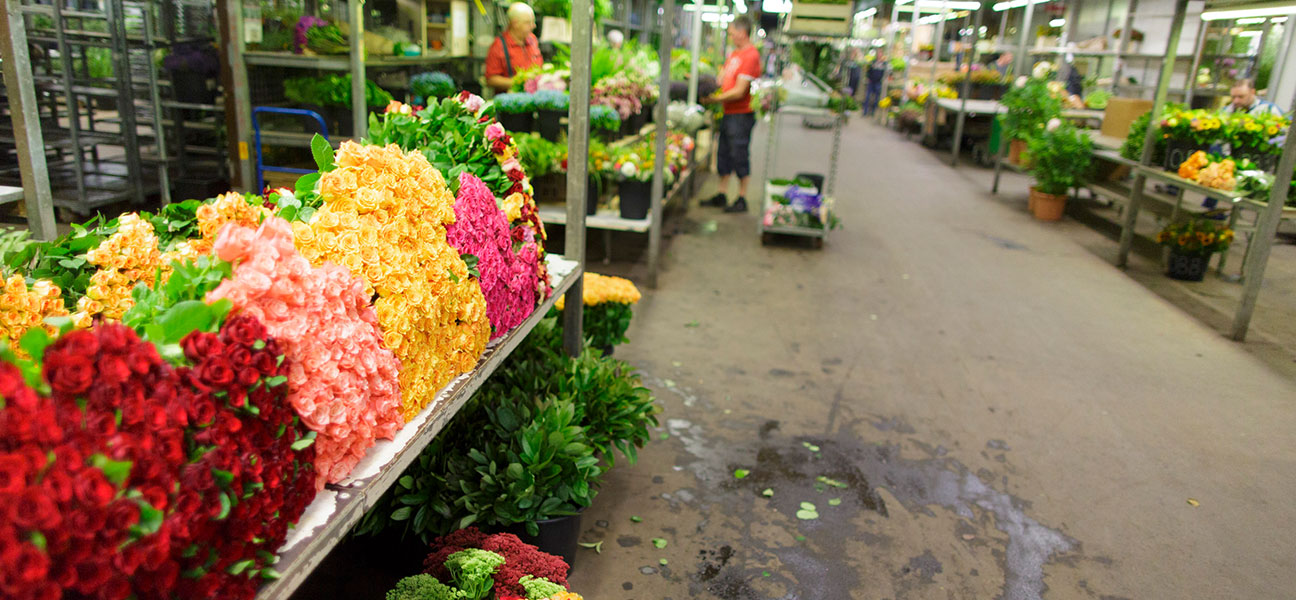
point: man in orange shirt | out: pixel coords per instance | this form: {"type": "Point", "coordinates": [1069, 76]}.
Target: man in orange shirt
{"type": "Point", "coordinates": [517, 49]}
{"type": "Point", "coordinates": [733, 152]}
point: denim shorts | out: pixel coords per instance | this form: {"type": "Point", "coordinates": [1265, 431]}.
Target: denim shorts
{"type": "Point", "coordinates": [733, 152]}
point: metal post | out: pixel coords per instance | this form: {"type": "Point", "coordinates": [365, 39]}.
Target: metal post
{"type": "Point", "coordinates": [967, 87]}
{"type": "Point", "coordinates": [661, 131]}
{"type": "Point", "coordinates": [1196, 64]}
{"type": "Point", "coordinates": [1023, 59]}
{"type": "Point", "coordinates": [1149, 140]}
{"type": "Point", "coordinates": [359, 108]}
{"type": "Point", "coordinates": [578, 169]}
{"type": "Point", "coordinates": [695, 44]}
{"type": "Point", "coordinates": [1123, 47]}
{"type": "Point", "coordinates": [25, 114]}
{"type": "Point", "coordinates": [238, 104]}
{"type": "Point", "coordinates": [937, 39]}
{"type": "Point", "coordinates": [1257, 256]}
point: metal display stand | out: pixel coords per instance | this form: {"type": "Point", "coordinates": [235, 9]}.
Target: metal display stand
{"type": "Point", "coordinates": [819, 235]}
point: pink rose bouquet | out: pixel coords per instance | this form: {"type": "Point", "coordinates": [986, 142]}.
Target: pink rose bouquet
{"type": "Point", "coordinates": [508, 278]}
{"type": "Point", "coordinates": [342, 380]}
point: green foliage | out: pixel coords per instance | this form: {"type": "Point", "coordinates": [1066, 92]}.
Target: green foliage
{"type": "Point", "coordinates": [539, 157]}
{"type": "Point", "coordinates": [514, 103]}
{"type": "Point", "coordinates": [450, 138]}
{"type": "Point", "coordinates": [12, 242]}
{"type": "Point", "coordinates": [1196, 237]}
{"type": "Point", "coordinates": [840, 103]}
{"type": "Point", "coordinates": [168, 312]}
{"type": "Point", "coordinates": [472, 570]}
{"type": "Point", "coordinates": [819, 59]}
{"type": "Point", "coordinates": [1059, 159]}
{"type": "Point", "coordinates": [612, 406]}
{"type": "Point", "coordinates": [562, 9]}
{"type": "Point", "coordinates": [604, 117]}
{"type": "Point", "coordinates": [1097, 99]}
{"type": "Point", "coordinates": [176, 222]}
{"type": "Point", "coordinates": [1030, 107]}
{"type": "Point", "coordinates": [332, 90]}
{"type": "Point", "coordinates": [433, 84]}
{"type": "Point", "coordinates": [1132, 149]}
{"type": "Point", "coordinates": [327, 39]}
{"type": "Point", "coordinates": [681, 67]}
{"type": "Point", "coordinates": [605, 324]}
{"type": "Point", "coordinates": [539, 588]}
{"type": "Point", "coordinates": [62, 260]}
{"type": "Point", "coordinates": [423, 587]}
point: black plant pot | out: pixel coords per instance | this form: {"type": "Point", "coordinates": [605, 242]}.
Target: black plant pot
{"type": "Point", "coordinates": [558, 536]}
{"type": "Point", "coordinates": [634, 123]}
{"type": "Point", "coordinates": [634, 199]}
{"type": "Point", "coordinates": [591, 196]}
{"type": "Point", "coordinates": [550, 124]}
{"type": "Point", "coordinates": [517, 122]}
{"type": "Point", "coordinates": [608, 135]}
{"type": "Point", "coordinates": [1188, 267]}
{"type": "Point", "coordinates": [193, 88]}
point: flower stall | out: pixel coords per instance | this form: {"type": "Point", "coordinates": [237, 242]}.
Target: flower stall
{"type": "Point", "coordinates": [229, 385]}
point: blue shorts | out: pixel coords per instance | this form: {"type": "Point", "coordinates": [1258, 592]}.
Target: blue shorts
{"type": "Point", "coordinates": [733, 152]}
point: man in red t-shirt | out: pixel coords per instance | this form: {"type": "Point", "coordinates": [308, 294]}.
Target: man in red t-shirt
{"type": "Point", "coordinates": [522, 52]}
{"type": "Point", "coordinates": [733, 152]}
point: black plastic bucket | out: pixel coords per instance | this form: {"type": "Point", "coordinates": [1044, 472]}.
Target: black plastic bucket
{"type": "Point", "coordinates": [634, 199]}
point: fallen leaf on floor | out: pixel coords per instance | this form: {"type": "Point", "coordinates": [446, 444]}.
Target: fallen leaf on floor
{"type": "Point", "coordinates": [669, 383]}
{"type": "Point", "coordinates": [659, 542]}
{"type": "Point", "coordinates": [1193, 502]}
{"type": "Point", "coordinates": [692, 324]}
{"type": "Point", "coordinates": [833, 482]}
{"type": "Point", "coordinates": [767, 492]}
{"type": "Point", "coordinates": [834, 502]}
{"type": "Point", "coordinates": [904, 276]}
{"type": "Point", "coordinates": [635, 519]}
{"type": "Point", "coordinates": [807, 515]}
{"type": "Point", "coordinates": [677, 364]}
{"type": "Point", "coordinates": [665, 436]}
{"type": "Point", "coordinates": [728, 410]}
{"type": "Point", "coordinates": [800, 538]}
{"type": "Point", "coordinates": [810, 447]}
{"type": "Point", "coordinates": [765, 573]}
{"type": "Point", "coordinates": [740, 473]}
{"type": "Point", "coordinates": [819, 487]}
{"type": "Point", "coordinates": [662, 562]}
{"type": "Point", "coordinates": [807, 506]}
{"type": "Point", "coordinates": [968, 536]}
{"type": "Point", "coordinates": [872, 317]}
{"type": "Point", "coordinates": [596, 546]}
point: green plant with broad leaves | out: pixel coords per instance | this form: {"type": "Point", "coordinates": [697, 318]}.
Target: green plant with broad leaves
{"type": "Point", "coordinates": [167, 312]}
{"type": "Point", "coordinates": [539, 157]}
{"type": "Point", "coordinates": [1029, 106]}
{"type": "Point", "coordinates": [605, 324]}
{"type": "Point", "coordinates": [451, 138]}
{"type": "Point", "coordinates": [62, 260]}
{"type": "Point", "coordinates": [1059, 158]}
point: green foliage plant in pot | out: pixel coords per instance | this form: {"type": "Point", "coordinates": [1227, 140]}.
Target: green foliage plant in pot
{"type": "Point", "coordinates": [432, 85]}
{"type": "Point", "coordinates": [515, 111]}
{"type": "Point", "coordinates": [1030, 105]}
{"type": "Point", "coordinates": [551, 106]}
{"type": "Point", "coordinates": [605, 121]}
{"type": "Point", "coordinates": [1059, 160]}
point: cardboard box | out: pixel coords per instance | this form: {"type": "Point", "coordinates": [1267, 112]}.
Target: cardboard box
{"type": "Point", "coordinates": [1120, 113]}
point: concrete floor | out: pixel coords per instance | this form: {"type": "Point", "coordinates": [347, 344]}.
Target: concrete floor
{"type": "Point", "coordinates": [978, 406]}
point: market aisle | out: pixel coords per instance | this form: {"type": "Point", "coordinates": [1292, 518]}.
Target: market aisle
{"type": "Point", "coordinates": [975, 405]}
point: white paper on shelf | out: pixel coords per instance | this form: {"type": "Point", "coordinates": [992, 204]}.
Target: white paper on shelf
{"type": "Point", "coordinates": [316, 515]}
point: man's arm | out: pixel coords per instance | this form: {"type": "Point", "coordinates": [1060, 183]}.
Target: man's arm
{"type": "Point", "coordinates": [501, 83]}
{"type": "Point", "coordinates": [737, 91]}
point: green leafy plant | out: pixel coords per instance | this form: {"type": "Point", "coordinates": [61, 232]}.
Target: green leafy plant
{"type": "Point", "coordinates": [1059, 158]}
{"type": "Point", "coordinates": [604, 117]}
{"type": "Point", "coordinates": [423, 587]}
{"type": "Point", "coordinates": [514, 103]}
{"type": "Point", "coordinates": [176, 222]}
{"type": "Point", "coordinates": [539, 157]}
{"type": "Point", "coordinates": [167, 312]}
{"type": "Point", "coordinates": [62, 260]}
{"type": "Point", "coordinates": [1097, 99]}
{"type": "Point", "coordinates": [605, 324]}
{"type": "Point", "coordinates": [1030, 106]}
{"type": "Point", "coordinates": [327, 39]}
{"type": "Point", "coordinates": [451, 138]}
{"type": "Point", "coordinates": [471, 570]}
{"type": "Point", "coordinates": [332, 90]}
{"type": "Point", "coordinates": [614, 409]}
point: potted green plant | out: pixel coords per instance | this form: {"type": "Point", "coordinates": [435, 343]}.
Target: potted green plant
{"type": "Point", "coordinates": [633, 167]}
{"type": "Point", "coordinates": [552, 106]}
{"type": "Point", "coordinates": [1191, 244]}
{"type": "Point", "coordinates": [605, 121]}
{"type": "Point", "coordinates": [330, 95]}
{"type": "Point", "coordinates": [1030, 105]}
{"type": "Point", "coordinates": [515, 111]}
{"type": "Point", "coordinates": [1059, 161]}
{"type": "Point", "coordinates": [430, 86]}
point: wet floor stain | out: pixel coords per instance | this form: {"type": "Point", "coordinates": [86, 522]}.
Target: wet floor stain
{"type": "Point", "coordinates": [842, 476]}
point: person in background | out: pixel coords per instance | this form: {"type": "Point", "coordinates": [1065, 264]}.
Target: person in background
{"type": "Point", "coordinates": [853, 71]}
{"type": "Point", "coordinates": [1245, 101]}
{"type": "Point", "coordinates": [1003, 64]}
{"type": "Point", "coordinates": [873, 93]}
{"type": "Point", "coordinates": [616, 39]}
{"type": "Point", "coordinates": [733, 152]}
{"type": "Point", "coordinates": [516, 49]}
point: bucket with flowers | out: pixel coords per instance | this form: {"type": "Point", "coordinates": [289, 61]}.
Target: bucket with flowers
{"type": "Point", "coordinates": [1191, 245]}
{"type": "Point", "coordinates": [633, 168]}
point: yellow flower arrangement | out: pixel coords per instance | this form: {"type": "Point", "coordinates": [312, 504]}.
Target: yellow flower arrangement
{"type": "Point", "coordinates": [22, 307]}
{"type": "Point", "coordinates": [605, 288]}
{"type": "Point", "coordinates": [384, 218]}
{"type": "Point", "coordinates": [124, 259]}
{"type": "Point", "coordinates": [885, 102]}
{"type": "Point", "coordinates": [230, 207]}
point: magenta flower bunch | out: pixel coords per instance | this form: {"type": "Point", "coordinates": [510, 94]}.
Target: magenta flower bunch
{"type": "Point", "coordinates": [507, 277]}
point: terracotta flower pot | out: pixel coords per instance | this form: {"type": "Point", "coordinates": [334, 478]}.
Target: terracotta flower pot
{"type": "Point", "coordinates": [1047, 207]}
{"type": "Point", "coordinates": [1015, 150]}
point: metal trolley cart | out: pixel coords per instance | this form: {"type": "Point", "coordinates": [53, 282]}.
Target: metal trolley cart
{"type": "Point", "coordinates": [820, 115]}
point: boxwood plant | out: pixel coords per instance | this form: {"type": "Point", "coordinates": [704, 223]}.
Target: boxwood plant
{"type": "Point", "coordinates": [514, 103]}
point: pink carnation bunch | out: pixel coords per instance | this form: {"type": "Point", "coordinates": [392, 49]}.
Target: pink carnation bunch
{"type": "Point", "coordinates": [508, 279]}
{"type": "Point", "coordinates": [342, 381]}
